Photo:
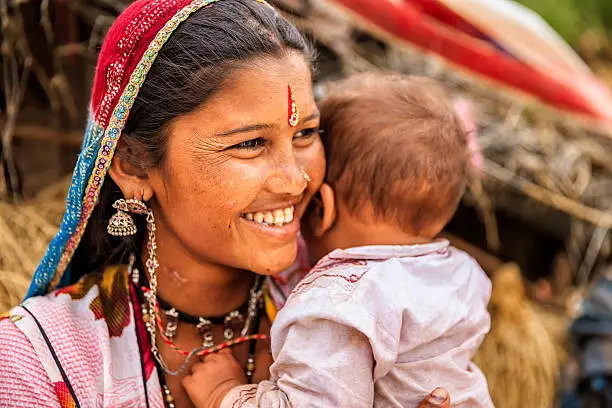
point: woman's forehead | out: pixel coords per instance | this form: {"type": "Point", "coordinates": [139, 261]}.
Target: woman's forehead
{"type": "Point", "coordinates": [257, 93]}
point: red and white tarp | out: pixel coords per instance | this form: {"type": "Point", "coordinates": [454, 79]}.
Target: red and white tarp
{"type": "Point", "coordinates": [496, 39]}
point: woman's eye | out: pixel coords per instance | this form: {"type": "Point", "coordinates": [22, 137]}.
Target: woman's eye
{"type": "Point", "coordinates": [250, 144]}
{"type": "Point", "coordinates": [306, 133]}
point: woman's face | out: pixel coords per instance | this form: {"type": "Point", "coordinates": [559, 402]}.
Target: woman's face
{"type": "Point", "coordinates": [236, 161]}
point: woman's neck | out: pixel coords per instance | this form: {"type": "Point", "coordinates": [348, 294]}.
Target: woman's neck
{"type": "Point", "coordinates": [194, 286]}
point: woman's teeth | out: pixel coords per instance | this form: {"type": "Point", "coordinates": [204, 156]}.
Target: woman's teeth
{"type": "Point", "coordinates": [277, 218]}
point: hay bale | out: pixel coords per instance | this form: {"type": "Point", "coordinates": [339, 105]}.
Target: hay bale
{"type": "Point", "coordinates": [517, 356]}
{"type": "Point", "coordinates": [25, 231]}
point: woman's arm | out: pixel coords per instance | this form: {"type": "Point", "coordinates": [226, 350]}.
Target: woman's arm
{"type": "Point", "coordinates": [23, 380]}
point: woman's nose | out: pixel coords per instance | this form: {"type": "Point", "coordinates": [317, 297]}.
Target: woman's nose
{"type": "Point", "coordinates": [287, 177]}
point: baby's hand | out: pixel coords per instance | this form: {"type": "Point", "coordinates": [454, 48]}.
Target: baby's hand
{"type": "Point", "coordinates": [212, 379]}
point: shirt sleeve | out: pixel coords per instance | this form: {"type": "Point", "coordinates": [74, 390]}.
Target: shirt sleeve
{"type": "Point", "coordinates": [23, 380]}
{"type": "Point", "coordinates": [321, 363]}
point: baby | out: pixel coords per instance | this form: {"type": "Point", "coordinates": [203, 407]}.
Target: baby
{"type": "Point", "coordinates": [389, 312]}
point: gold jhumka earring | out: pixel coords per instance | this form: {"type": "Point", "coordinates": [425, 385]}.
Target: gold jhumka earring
{"type": "Point", "coordinates": [121, 224]}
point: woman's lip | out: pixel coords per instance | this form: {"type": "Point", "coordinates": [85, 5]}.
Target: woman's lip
{"type": "Point", "coordinates": [273, 207]}
{"type": "Point", "coordinates": [289, 230]}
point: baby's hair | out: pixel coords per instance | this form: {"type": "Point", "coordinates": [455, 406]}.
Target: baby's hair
{"type": "Point", "coordinates": [395, 142]}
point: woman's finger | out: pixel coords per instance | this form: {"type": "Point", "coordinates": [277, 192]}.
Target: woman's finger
{"type": "Point", "coordinates": [439, 398]}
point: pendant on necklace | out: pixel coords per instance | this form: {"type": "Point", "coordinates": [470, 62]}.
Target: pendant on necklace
{"type": "Point", "coordinates": [172, 318]}
{"type": "Point", "coordinates": [204, 329]}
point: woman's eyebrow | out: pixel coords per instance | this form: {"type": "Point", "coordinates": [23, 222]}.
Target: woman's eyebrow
{"type": "Point", "coordinates": [244, 129]}
{"type": "Point", "coordinates": [252, 128]}
{"type": "Point", "coordinates": [312, 116]}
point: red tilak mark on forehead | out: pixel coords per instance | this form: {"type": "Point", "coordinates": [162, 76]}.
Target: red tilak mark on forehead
{"type": "Point", "coordinates": [293, 113]}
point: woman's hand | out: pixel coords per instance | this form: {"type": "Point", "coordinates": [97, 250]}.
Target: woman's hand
{"type": "Point", "coordinates": [213, 378]}
{"type": "Point", "coordinates": [439, 398]}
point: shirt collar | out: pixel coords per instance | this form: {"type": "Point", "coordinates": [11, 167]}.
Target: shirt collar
{"type": "Point", "coordinates": [383, 252]}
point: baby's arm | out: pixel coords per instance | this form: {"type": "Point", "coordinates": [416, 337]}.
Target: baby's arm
{"type": "Point", "coordinates": [321, 363]}
{"type": "Point", "coordinates": [328, 345]}
{"type": "Point", "coordinates": [211, 379]}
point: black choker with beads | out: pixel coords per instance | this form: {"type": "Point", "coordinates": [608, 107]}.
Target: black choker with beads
{"type": "Point", "coordinates": [204, 325]}
{"type": "Point", "coordinates": [191, 319]}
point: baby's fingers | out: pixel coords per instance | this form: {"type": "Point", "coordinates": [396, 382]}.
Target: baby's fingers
{"type": "Point", "coordinates": [225, 352]}
{"type": "Point", "coordinates": [200, 366]}
{"type": "Point", "coordinates": [188, 382]}
{"type": "Point", "coordinates": [220, 355]}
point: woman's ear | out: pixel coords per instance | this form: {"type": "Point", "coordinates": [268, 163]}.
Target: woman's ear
{"type": "Point", "coordinates": [326, 214]}
{"type": "Point", "coordinates": [132, 179]}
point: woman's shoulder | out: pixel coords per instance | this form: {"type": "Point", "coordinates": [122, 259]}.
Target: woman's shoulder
{"type": "Point", "coordinates": [90, 311]}
{"type": "Point", "coordinates": [14, 345]}
{"type": "Point", "coordinates": [23, 379]}
{"type": "Point", "coordinates": [96, 295]}
{"type": "Point", "coordinates": [10, 335]}
{"type": "Point", "coordinates": [75, 326]}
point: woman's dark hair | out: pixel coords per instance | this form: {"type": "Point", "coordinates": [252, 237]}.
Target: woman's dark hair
{"type": "Point", "coordinates": [191, 67]}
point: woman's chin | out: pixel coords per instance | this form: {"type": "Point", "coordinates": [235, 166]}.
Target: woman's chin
{"type": "Point", "coordinates": [276, 261]}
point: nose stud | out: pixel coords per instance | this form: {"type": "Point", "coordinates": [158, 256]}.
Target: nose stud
{"type": "Point", "coordinates": [306, 176]}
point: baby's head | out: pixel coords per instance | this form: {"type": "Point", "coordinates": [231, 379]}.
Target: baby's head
{"type": "Point", "coordinates": [397, 162]}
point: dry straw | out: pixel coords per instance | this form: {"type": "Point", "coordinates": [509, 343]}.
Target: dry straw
{"type": "Point", "coordinates": [518, 357]}
{"type": "Point", "coordinates": [25, 231]}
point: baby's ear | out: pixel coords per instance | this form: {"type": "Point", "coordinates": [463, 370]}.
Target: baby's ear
{"type": "Point", "coordinates": [321, 213]}
{"type": "Point", "coordinates": [327, 214]}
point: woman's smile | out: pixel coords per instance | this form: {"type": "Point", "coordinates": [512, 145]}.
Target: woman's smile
{"type": "Point", "coordinates": [276, 218]}
{"type": "Point", "coordinates": [279, 223]}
